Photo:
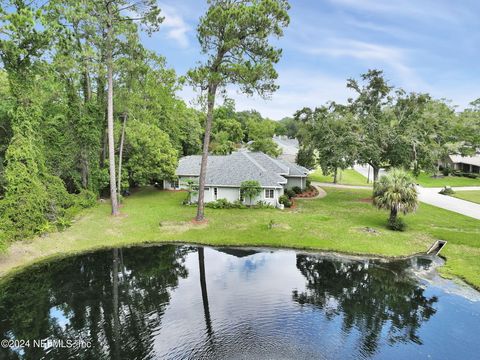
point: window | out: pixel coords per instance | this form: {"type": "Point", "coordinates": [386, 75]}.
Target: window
{"type": "Point", "coordinates": [242, 198]}
{"type": "Point", "coordinates": [215, 193]}
{"type": "Point", "coordinates": [174, 184]}
{"type": "Point", "coordinates": [269, 193]}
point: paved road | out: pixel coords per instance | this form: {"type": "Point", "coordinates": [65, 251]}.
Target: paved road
{"type": "Point", "coordinates": [432, 197]}
{"type": "Point", "coordinates": [367, 171]}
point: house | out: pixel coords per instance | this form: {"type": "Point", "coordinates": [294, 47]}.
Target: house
{"type": "Point", "coordinates": [225, 173]}
{"type": "Point", "coordinates": [466, 164]}
{"type": "Point", "coordinates": [289, 147]}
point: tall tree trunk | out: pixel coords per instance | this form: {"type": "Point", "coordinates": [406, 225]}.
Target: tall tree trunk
{"type": "Point", "coordinates": [203, 285]}
{"type": "Point", "coordinates": [335, 176]}
{"type": "Point", "coordinates": [376, 171]}
{"type": "Point", "coordinates": [111, 145]}
{"type": "Point", "coordinates": [393, 214]}
{"type": "Point", "coordinates": [212, 89]}
{"type": "Point", "coordinates": [120, 155]}
{"type": "Point", "coordinates": [84, 169]}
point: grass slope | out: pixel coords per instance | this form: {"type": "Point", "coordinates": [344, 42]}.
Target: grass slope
{"type": "Point", "coordinates": [336, 222]}
{"type": "Point", "coordinates": [473, 195]}
{"type": "Point", "coordinates": [345, 177]}
{"type": "Point", "coordinates": [426, 180]}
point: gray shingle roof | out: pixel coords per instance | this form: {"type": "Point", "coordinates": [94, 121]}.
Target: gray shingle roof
{"type": "Point", "coordinates": [232, 170]}
{"type": "Point", "coordinates": [295, 169]}
{"type": "Point", "coordinates": [470, 160]}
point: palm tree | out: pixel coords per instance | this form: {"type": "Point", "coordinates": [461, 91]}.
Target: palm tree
{"type": "Point", "coordinates": [396, 191]}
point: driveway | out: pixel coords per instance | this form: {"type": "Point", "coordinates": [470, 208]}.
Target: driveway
{"type": "Point", "coordinates": [432, 197]}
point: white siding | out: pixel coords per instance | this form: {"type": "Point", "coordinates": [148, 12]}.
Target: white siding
{"type": "Point", "coordinates": [296, 181]}
{"type": "Point", "coordinates": [230, 193]}
{"type": "Point", "coordinates": [272, 201]}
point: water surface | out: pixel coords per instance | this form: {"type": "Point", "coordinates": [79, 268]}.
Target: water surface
{"type": "Point", "coordinates": [177, 302]}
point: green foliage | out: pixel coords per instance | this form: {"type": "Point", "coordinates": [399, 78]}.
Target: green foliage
{"type": "Point", "coordinates": [235, 38]}
{"type": "Point", "coordinates": [221, 144]}
{"type": "Point", "coordinates": [447, 191]}
{"type": "Point", "coordinates": [396, 224]}
{"type": "Point", "coordinates": [290, 193]}
{"type": "Point", "coordinates": [306, 157]}
{"type": "Point", "coordinates": [267, 146]}
{"type": "Point", "coordinates": [26, 199]}
{"type": "Point", "coordinates": [297, 189]}
{"type": "Point", "coordinates": [225, 204]}
{"type": "Point", "coordinates": [285, 200]}
{"type": "Point", "coordinates": [288, 127]}
{"type": "Point", "coordinates": [235, 53]}
{"type": "Point", "coordinates": [327, 138]}
{"type": "Point", "coordinates": [149, 155]}
{"type": "Point", "coordinates": [396, 191]}
{"type": "Point", "coordinates": [260, 204]}
{"type": "Point", "coordinates": [447, 170]}
{"type": "Point", "coordinates": [86, 199]}
{"type": "Point", "coordinates": [229, 126]}
{"type": "Point", "coordinates": [250, 189]}
{"type": "Point", "coordinates": [192, 189]}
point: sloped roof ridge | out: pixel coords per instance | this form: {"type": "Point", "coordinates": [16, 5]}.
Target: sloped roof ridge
{"type": "Point", "coordinates": [283, 166]}
{"type": "Point", "coordinates": [252, 160]}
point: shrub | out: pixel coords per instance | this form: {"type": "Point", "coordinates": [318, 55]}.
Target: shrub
{"type": "Point", "coordinates": [262, 205]}
{"type": "Point", "coordinates": [464, 174]}
{"type": "Point", "coordinates": [308, 184]}
{"type": "Point", "coordinates": [447, 170]}
{"type": "Point", "coordinates": [297, 190]}
{"type": "Point", "coordinates": [63, 223]}
{"type": "Point", "coordinates": [290, 193]}
{"type": "Point", "coordinates": [86, 199]}
{"type": "Point", "coordinates": [237, 204]}
{"type": "Point", "coordinates": [285, 200]}
{"type": "Point", "coordinates": [447, 191]}
{"type": "Point", "coordinates": [219, 204]}
{"type": "Point", "coordinates": [45, 228]}
{"type": "Point", "coordinates": [250, 189]}
{"type": "Point", "coordinates": [396, 224]}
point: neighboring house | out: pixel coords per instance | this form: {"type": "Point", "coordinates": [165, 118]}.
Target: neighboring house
{"type": "Point", "coordinates": [289, 147]}
{"type": "Point", "coordinates": [225, 173]}
{"type": "Point", "coordinates": [467, 164]}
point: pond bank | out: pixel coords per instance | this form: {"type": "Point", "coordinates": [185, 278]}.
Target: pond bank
{"type": "Point", "coordinates": [334, 223]}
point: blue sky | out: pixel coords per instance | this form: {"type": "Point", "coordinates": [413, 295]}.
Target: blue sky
{"type": "Point", "coordinates": [422, 45]}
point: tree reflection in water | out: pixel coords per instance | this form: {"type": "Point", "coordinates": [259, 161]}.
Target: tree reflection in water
{"type": "Point", "coordinates": [378, 299]}
{"type": "Point", "coordinates": [114, 299]}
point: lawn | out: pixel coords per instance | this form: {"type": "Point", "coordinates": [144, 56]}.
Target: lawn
{"type": "Point", "coordinates": [470, 195]}
{"type": "Point", "coordinates": [426, 180]}
{"type": "Point", "coordinates": [345, 177]}
{"type": "Point", "coordinates": [336, 222]}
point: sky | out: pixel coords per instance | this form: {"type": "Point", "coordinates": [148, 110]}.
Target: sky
{"type": "Point", "coordinates": [421, 45]}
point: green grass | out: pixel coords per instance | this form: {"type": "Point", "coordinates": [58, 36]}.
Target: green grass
{"type": "Point", "coordinates": [426, 180]}
{"type": "Point", "coordinates": [336, 223]}
{"type": "Point", "coordinates": [345, 177]}
{"type": "Point", "coordinates": [470, 195]}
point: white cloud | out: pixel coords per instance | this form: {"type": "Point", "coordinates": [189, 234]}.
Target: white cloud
{"type": "Point", "coordinates": [373, 55]}
{"type": "Point", "coordinates": [427, 9]}
{"type": "Point", "coordinates": [175, 26]}
{"type": "Point", "coordinates": [298, 88]}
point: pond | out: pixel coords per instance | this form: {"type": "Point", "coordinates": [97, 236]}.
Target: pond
{"type": "Point", "coordinates": [177, 302]}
